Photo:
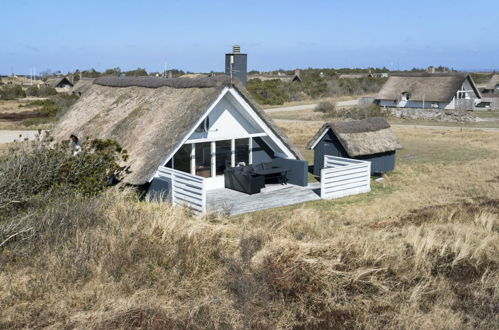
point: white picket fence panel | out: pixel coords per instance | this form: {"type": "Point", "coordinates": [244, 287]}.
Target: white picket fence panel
{"type": "Point", "coordinates": [186, 189]}
{"type": "Point", "coordinates": [343, 177]}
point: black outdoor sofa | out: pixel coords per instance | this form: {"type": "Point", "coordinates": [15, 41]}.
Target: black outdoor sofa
{"type": "Point", "coordinates": [250, 179]}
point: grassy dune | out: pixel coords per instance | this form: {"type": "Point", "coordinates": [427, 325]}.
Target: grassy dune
{"type": "Point", "coordinates": [421, 251]}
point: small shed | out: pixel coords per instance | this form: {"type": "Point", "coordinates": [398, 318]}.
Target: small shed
{"type": "Point", "coordinates": [368, 139]}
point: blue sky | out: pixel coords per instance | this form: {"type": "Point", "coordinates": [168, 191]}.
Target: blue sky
{"type": "Point", "coordinates": [194, 35]}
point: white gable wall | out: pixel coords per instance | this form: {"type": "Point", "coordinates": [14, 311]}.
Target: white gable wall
{"type": "Point", "coordinates": [227, 122]}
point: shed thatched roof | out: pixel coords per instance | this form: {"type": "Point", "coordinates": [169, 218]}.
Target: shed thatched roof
{"type": "Point", "coordinates": [431, 87]}
{"type": "Point", "coordinates": [54, 82]}
{"type": "Point", "coordinates": [493, 82]}
{"type": "Point", "coordinates": [148, 116]}
{"type": "Point", "coordinates": [361, 137]}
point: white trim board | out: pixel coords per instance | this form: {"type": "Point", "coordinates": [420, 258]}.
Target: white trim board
{"type": "Point", "coordinates": [320, 137]}
{"type": "Point", "coordinates": [224, 139]}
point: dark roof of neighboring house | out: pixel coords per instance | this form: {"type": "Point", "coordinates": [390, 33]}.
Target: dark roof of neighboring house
{"type": "Point", "coordinates": [493, 82]}
{"type": "Point", "coordinates": [431, 87]}
{"type": "Point", "coordinates": [54, 82]}
{"type": "Point", "coordinates": [148, 116]}
{"type": "Point", "coordinates": [361, 137]}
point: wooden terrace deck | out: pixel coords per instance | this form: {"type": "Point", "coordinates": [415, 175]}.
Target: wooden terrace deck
{"type": "Point", "coordinates": [233, 202]}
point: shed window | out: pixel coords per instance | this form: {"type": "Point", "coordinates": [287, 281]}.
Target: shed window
{"type": "Point", "coordinates": [405, 96]}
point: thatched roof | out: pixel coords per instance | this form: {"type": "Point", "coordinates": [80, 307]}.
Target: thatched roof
{"type": "Point", "coordinates": [54, 82]}
{"type": "Point", "coordinates": [431, 87]}
{"type": "Point", "coordinates": [354, 75]}
{"type": "Point", "coordinates": [493, 82]}
{"type": "Point", "coordinates": [83, 85]}
{"type": "Point", "coordinates": [148, 116]}
{"type": "Point", "coordinates": [361, 137]}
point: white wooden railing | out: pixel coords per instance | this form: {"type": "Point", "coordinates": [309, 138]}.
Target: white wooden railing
{"type": "Point", "coordinates": [343, 176]}
{"type": "Point", "coordinates": [186, 189]}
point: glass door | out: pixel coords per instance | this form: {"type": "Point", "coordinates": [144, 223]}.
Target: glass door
{"type": "Point", "coordinates": [203, 159]}
{"type": "Point", "coordinates": [222, 154]}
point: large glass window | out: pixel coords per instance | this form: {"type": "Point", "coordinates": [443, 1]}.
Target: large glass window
{"type": "Point", "coordinates": [242, 151]}
{"type": "Point", "coordinates": [223, 160]}
{"type": "Point", "coordinates": [203, 159]}
{"type": "Point", "coordinates": [182, 159]}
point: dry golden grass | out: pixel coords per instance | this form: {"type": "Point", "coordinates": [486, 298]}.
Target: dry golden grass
{"type": "Point", "coordinates": [419, 252]}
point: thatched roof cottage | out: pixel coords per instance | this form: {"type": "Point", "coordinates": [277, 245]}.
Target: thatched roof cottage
{"type": "Point", "coordinates": [59, 82]}
{"type": "Point", "coordinates": [368, 139]}
{"type": "Point", "coordinates": [429, 90]}
{"type": "Point", "coordinates": [196, 125]}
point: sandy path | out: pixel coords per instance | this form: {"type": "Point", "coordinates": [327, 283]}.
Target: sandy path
{"type": "Point", "coordinates": [311, 106]}
{"type": "Point", "coordinates": [11, 136]}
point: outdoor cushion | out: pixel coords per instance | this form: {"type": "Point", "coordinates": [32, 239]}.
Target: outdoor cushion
{"type": "Point", "coordinates": [258, 166]}
{"type": "Point", "coordinates": [267, 166]}
{"type": "Point", "coordinates": [248, 169]}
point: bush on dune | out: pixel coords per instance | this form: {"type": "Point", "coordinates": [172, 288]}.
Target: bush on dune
{"type": "Point", "coordinates": [30, 171]}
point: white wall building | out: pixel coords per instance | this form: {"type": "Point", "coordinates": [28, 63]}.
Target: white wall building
{"type": "Point", "coordinates": [429, 91]}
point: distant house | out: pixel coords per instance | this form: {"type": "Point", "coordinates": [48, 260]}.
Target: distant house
{"type": "Point", "coordinates": [59, 82]}
{"type": "Point", "coordinates": [429, 90]}
{"type": "Point", "coordinates": [363, 75]}
{"type": "Point", "coordinates": [296, 77]}
{"type": "Point", "coordinates": [368, 139]}
{"type": "Point", "coordinates": [199, 126]}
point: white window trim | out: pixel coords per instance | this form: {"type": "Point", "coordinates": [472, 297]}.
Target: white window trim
{"type": "Point", "coordinates": [226, 139]}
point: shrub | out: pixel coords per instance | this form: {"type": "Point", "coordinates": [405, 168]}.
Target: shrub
{"type": "Point", "coordinates": [327, 108]}
{"type": "Point", "coordinates": [363, 112]}
{"type": "Point", "coordinates": [32, 91]}
{"type": "Point", "coordinates": [54, 106]}
{"type": "Point", "coordinates": [268, 91]}
{"type": "Point", "coordinates": [32, 169]}
{"type": "Point", "coordinates": [11, 92]}
{"type": "Point", "coordinates": [45, 91]}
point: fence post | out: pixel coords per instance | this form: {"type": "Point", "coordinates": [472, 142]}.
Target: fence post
{"type": "Point", "coordinates": [173, 188]}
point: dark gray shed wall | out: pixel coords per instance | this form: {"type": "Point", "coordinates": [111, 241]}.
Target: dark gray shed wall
{"type": "Point", "coordinates": [331, 146]}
